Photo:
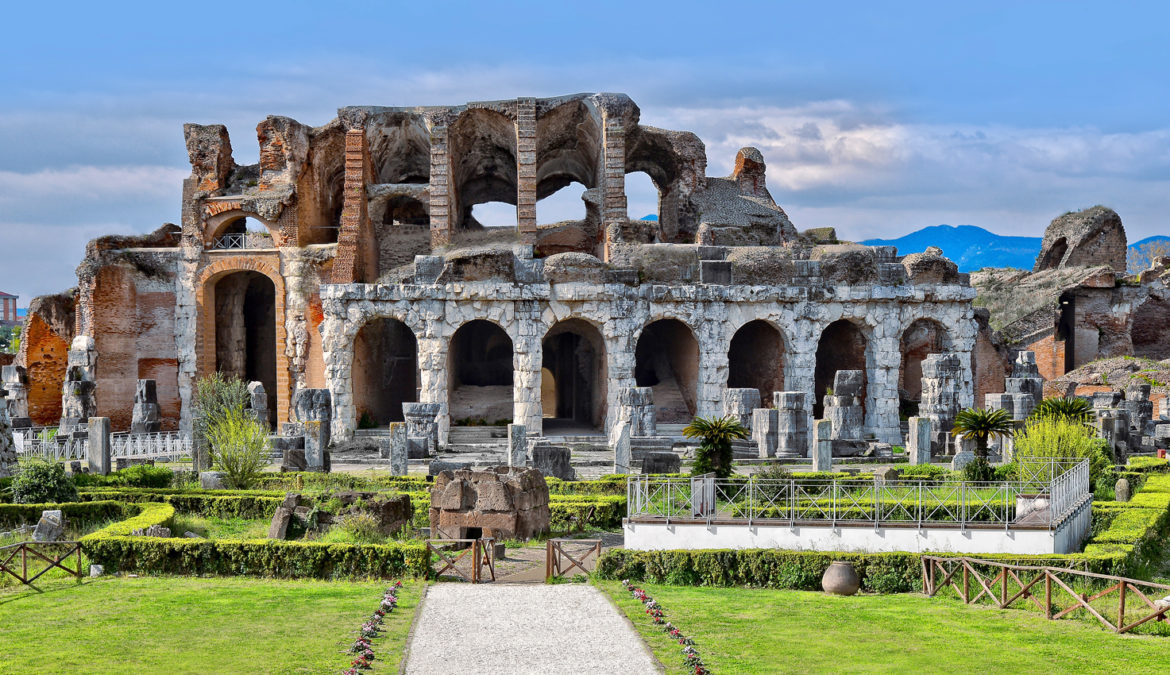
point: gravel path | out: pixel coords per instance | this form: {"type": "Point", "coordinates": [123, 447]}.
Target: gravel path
{"type": "Point", "coordinates": [530, 628]}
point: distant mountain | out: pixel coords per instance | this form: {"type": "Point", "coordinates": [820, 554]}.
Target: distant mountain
{"type": "Point", "coordinates": [1157, 237]}
{"type": "Point", "coordinates": [971, 247]}
{"type": "Point", "coordinates": [652, 216]}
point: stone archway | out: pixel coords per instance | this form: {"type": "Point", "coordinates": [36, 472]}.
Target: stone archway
{"type": "Point", "coordinates": [574, 376]}
{"type": "Point", "coordinates": [842, 346]}
{"type": "Point", "coordinates": [384, 371]}
{"type": "Point", "coordinates": [921, 338]}
{"type": "Point", "coordinates": [480, 374]}
{"type": "Point", "coordinates": [245, 331]}
{"type": "Point", "coordinates": [755, 359]}
{"type": "Point", "coordinates": [667, 360]}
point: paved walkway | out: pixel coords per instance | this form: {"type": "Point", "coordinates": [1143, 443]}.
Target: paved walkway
{"type": "Point", "coordinates": [520, 629]}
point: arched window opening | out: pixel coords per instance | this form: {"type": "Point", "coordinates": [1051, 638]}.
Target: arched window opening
{"type": "Point", "coordinates": [245, 331]}
{"type": "Point", "coordinates": [755, 359]}
{"type": "Point", "coordinates": [565, 204]}
{"type": "Point", "coordinates": [574, 358]}
{"type": "Point", "coordinates": [841, 347]}
{"type": "Point", "coordinates": [479, 371]}
{"type": "Point", "coordinates": [642, 196]}
{"type": "Point", "coordinates": [667, 359]}
{"type": "Point", "coordinates": [384, 371]}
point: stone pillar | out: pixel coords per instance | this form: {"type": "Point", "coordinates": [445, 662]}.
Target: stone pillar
{"type": "Point", "coordinates": [422, 424]}
{"type": "Point", "coordinates": [517, 445]}
{"type": "Point", "coordinates": [354, 261]}
{"type": "Point", "coordinates": [881, 384]}
{"type": "Point", "coordinates": [145, 416]}
{"type": "Point", "coordinates": [766, 431]}
{"type": "Point", "coordinates": [1026, 378]}
{"type": "Point", "coordinates": [7, 443]}
{"type": "Point", "coordinates": [258, 402]}
{"type": "Point", "coordinates": [526, 169]}
{"type": "Point", "coordinates": [314, 409]}
{"type": "Point", "coordinates": [942, 388]}
{"type": "Point", "coordinates": [98, 457]}
{"type": "Point", "coordinates": [792, 423]}
{"type": "Point", "coordinates": [843, 409]}
{"type": "Point", "coordinates": [822, 445]}
{"type": "Point", "coordinates": [622, 454]}
{"type": "Point", "coordinates": [613, 196]}
{"type": "Point", "coordinates": [77, 392]}
{"type": "Point", "coordinates": [16, 382]}
{"type": "Point", "coordinates": [442, 211]}
{"type": "Point", "coordinates": [740, 404]}
{"type": "Point", "coordinates": [527, 360]}
{"type": "Point", "coordinates": [1140, 408]}
{"type": "Point", "coordinates": [918, 442]}
{"type": "Point", "coordinates": [398, 448]}
{"type": "Point", "coordinates": [637, 408]}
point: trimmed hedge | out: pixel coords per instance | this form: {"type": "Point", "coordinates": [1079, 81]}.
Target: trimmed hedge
{"type": "Point", "coordinates": [149, 513]}
{"type": "Point", "coordinates": [212, 503]}
{"type": "Point", "coordinates": [575, 513]}
{"type": "Point", "coordinates": [74, 512]}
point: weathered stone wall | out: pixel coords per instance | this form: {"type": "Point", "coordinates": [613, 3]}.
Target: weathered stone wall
{"type": "Point", "coordinates": [44, 351]}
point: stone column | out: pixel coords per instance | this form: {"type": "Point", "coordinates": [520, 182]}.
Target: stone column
{"type": "Point", "coordinates": [637, 407]}
{"type": "Point", "coordinates": [145, 416]}
{"type": "Point", "coordinates": [712, 378]}
{"type": "Point", "coordinates": [77, 392]}
{"type": "Point", "coordinates": [941, 395]}
{"type": "Point", "coordinates": [740, 404]}
{"type": "Point", "coordinates": [442, 211]}
{"type": "Point", "coordinates": [517, 445]}
{"type": "Point", "coordinates": [398, 448]}
{"type": "Point", "coordinates": [258, 402]}
{"type": "Point", "coordinates": [314, 409]}
{"type": "Point", "coordinates": [7, 443]}
{"type": "Point", "coordinates": [792, 423]}
{"type": "Point", "coordinates": [526, 169]}
{"type": "Point", "coordinates": [843, 409]}
{"type": "Point", "coordinates": [355, 262]}
{"type": "Point", "coordinates": [1026, 378]}
{"type": "Point", "coordinates": [919, 440]}
{"type": "Point", "coordinates": [527, 360]}
{"type": "Point", "coordinates": [822, 445]}
{"type": "Point", "coordinates": [881, 409]}
{"type": "Point", "coordinates": [613, 195]}
{"type": "Point", "coordinates": [622, 454]}
{"type": "Point", "coordinates": [765, 431]}
{"type": "Point", "coordinates": [422, 424]}
{"type": "Point", "coordinates": [98, 457]}
{"type": "Point", "coordinates": [16, 382]}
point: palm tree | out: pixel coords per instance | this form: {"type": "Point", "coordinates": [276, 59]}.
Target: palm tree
{"type": "Point", "coordinates": [982, 425]}
{"type": "Point", "coordinates": [714, 453]}
{"type": "Point", "coordinates": [1072, 409]}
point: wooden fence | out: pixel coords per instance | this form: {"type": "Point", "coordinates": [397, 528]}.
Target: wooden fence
{"type": "Point", "coordinates": [558, 562]}
{"type": "Point", "coordinates": [40, 552]}
{"type": "Point", "coordinates": [481, 552]}
{"type": "Point", "coordinates": [1128, 601]}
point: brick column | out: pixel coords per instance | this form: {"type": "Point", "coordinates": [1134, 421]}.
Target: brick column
{"type": "Point", "coordinates": [356, 259]}
{"type": "Point", "coordinates": [613, 179]}
{"type": "Point", "coordinates": [526, 169]}
{"type": "Point", "coordinates": [442, 210]}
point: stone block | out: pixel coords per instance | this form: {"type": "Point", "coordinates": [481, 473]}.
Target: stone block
{"type": "Point", "coordinates": [766, 431]}
{"type": "Point", "coordinates": [962, 459]}
{"type": "Point", "coordinates": [714, 272]}
{"type": "Point", "coordinates": [848, 383]}
{"type": "Point", "coordinates": [918, 441]}
{"type": "Point", "coordinates": [553, 461]}
{"type": "Point", "coordinates": [822, 445]}
{"type": "Point", "coordinates": [739, 403]}
{"type": "Point", "coordinates": [438, 466]}
{"type": "Point", "coordinates": [886, 475]}
{"type": "Point", "coordinates": [51, 526]}
{"type": "Point", "coordinates": [294, 460]}
{"type": "Point", "coordinates": [622, 452]}
{"type": "Point", "coordinates": [278, 528]}
{"type": "Point", "coordinates": [145, 417]}
{"type": "Point", "coordinates": [399, 449]}
{"type": "Point", "coordinates": [661, 462]}
{"type": "Point", "coordinates": [1121, 490]}
{"type": "Point", "coordinates": [636, 406]}
{"type": "Point", "coordinates": [98, 455]}
{"type": "Point", "coordinates": [517, 445]}
{"type": "Point", "coordinates": [316, 442]}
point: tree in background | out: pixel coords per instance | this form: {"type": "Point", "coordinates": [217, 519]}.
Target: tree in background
{"type": "Point", "coordinates": [981, 426]}
{"type": "Point", "coordinates": [716, 435]}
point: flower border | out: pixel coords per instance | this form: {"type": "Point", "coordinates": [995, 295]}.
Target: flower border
{"type": "Point", "coordinates": [690, 655]}
{"type": "Point", "coordinates": [361, 648]}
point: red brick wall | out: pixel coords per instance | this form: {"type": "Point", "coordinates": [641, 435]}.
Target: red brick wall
{"type": "Point", "coordinates": [1049, 356]}
{"type": "Point", "coordinates": [47, 355]}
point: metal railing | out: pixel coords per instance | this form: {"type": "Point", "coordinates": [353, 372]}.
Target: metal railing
{"type": "Point", "coordinates": [162, 445]}
{"type": "Point", "coordinates": [242, 240]}
{"type": "Point", "coordinates": [58, 449]}
{"type": "Point", "coordinates": [859, 502]}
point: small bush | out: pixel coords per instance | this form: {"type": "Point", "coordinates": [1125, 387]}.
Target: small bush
{"type": "Point", "coordinates": [41, 481]}
{"type": "Point", "coordinates": [979, 471]}
{"type": "Point", "coordinates": [143, 476]}
{"type": "Point", "coordinates": [714, 452]}
{"type": "Point", "coordinates": [358, 527]}
{"type": "Point", "coordinates": [929, 471]}
{"type": "Point", "coordinates": [1059, 438]}
{"type": "Point", "coordinates": [239, 447]}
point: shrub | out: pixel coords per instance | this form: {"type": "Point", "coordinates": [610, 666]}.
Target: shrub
{"type": "Point", "coordinates": [1148, 464]}
{"type": "Point", "coordinates": [143, 475]}
{"type": "Point", "coordinates": [982, 425]}
{"type": "Point", "coordinates": [714, 452]}
{"type": "Point", "coordinates": [1059, 438]}
{"type": "Point", "coordinates": [76, 513]}
{"type": "Point", "coordinates": [239, 447]}
{"type": "Point", "coordinates": [40, 481]}
{"type": "Point", "coordinates": [929, 471]}
{"type": "Point", "coordinates": [215, 396]}
{"type": "Point", "coordinates": [979, 471]}
{"type": "Point", "coordinates": [1072, 409]}
{"type": "Point", "coordinates": [358, 527]}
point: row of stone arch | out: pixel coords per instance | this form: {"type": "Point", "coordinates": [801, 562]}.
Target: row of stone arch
{"type": "Point", "coordinates": [575, 370]}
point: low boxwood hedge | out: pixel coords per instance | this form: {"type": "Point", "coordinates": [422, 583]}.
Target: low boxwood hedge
{"type": "Point", "coordinates": [211, 503]}
{"type": "Point", "coordinates": [76, 513]}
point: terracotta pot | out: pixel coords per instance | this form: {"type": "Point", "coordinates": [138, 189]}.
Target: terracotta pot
{"type": "Point", "coordinates": [841, 579]}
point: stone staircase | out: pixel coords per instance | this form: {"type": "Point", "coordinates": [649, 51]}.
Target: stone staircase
{"type": "Point", "coordinates": [477, 439]}
{"type": "Point", "coordinates": [669, 402]}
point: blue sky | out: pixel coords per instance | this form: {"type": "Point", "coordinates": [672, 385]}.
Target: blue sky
{"type": "Point", "coordinates": [875, 118]}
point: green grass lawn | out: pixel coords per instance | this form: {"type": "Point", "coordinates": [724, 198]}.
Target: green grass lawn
{"type": "Point", "coordinates": [196, 625]}
{"type": "Point", "coordinates": [767, 631]}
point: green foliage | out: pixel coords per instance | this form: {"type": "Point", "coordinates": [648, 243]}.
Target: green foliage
{"type": "Point", "coordinates": [979, 471]}
{"type": "Point", "coordinates": [1072, 409]}
{"type": "Point", "coordinates": [358, 527]}
{"type": "Point", "coordinates": [143, 475]}
{"type": "Point", "coordinates": [1148, 464]}
{"type": "Point", "coordinates": [924, 471]}
{"type": "Point", "coordinates": [366, 421]}
{"type": "Point", "coordinates": [247, 505]}
{"type": "Point", "coordinates": [77, 514]}
{"type": "Point", "coordinates": [40, 481]}
{"type": "Point", "coordinates": [982, 425]}
{"type": "Point", "coordinates": [216, 396]}
{"type": "Point", "coordinates": [714, 452]}
{"type": "Point", "coordinates": [1061, 438]}
{"type": "Point", "coordinates": [578, 513]}
{"type": "Point", "coordinates": [239, 447]}
{"type": "Point", "coordinates": [149, 514]}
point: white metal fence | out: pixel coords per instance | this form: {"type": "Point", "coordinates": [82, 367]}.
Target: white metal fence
{"type": "Point", "coordinates": [861, 502]}
{"type": "Point", "coordinates": [163, 445]}
{"type": "Point", "coordinates": [47, 444]}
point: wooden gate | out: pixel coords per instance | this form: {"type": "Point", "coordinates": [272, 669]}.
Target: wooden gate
{"type": "Point", "coordinates": [558, 562]}
{"type": "Point", "coordinates": [478, 553]}
{"type": "Point", "coordinates": [40, 551]}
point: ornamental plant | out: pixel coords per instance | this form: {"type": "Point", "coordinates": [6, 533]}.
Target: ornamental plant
{"type": "Point", "coordinates": [1063, 438]}
{"type": "Point", "coordinates": [1063, 407]}
{"type": "Point", "coordinates": [215, 396]}
{"type": "Point", "coordinates": [239, 448]}
{"type": "Point", "coordinates": [41, 481]}
{"type": "Point", "coordinates": [716, 435]}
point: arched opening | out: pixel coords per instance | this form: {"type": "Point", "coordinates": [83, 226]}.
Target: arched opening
{"type": "Point", "coordinates": [245, 331]}
{"type": "Point", "coordinates": [920, 339]}
{"type": "Point", "coordinates": [755, 359]}
{"type": "Point", "coordinates": [482, 152]}
{"type": "Point", "coordinates": [404, 230]}
{"type": "Point", "coordinates": [667, 359]}
{"type": "Point", "coordinates": [841, 347]}
{"type": "Point", "coordinates": [568, 153]}
{"type": "Point", "coordinates": [1150, 336]}
{"type": "Point", "coordinates": [400, 149]}
{"type": "Point", "coordinates": [641, 196]}
{"type": "Point", "coordinates": [479, 372]}
{"type": "Point", "coordinates": [563, 205]}
{"type": "Point", "coordinates": [491, 215]}
{"type": "Point", "coordinates": [241, 231]}
{"type": "Point", "coordinates": [574, 358]}
{"type": "Point", "coordinates": [384, 372]}
{"type": "Point", "coordinates": [1054, 255]}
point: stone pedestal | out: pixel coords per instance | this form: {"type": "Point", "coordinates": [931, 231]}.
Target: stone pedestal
{"type": "Point", "coordinates": [314, 409]}
{"type": "Point", "coordinates": [145, 415]}
{"type": "Point", "coordinates": [422, 421]}
{"type": "Point", "coordinates": [77, 392]}
{"type": "Point", "coordinates": [918, 441]}
{"type": "Point", "coordinates": [739, 403]}
{"type": "Point", "coordinates": [942, 387]}
{"type": "Point", "coordinates": [98, 457]}
{"type": "Point", "coordinates": [15, 381]}
{"type": "Point", "coordinates": [553, 461]}
{"type": "Point", "coordinates": [792, 423]}
{"type": "Point", "coordinates": [258, 402]}
{"type": "Point", "coordinates": [636, 406]}
{"type": "Point", "coordinates": [1139, 406]}
{"type": "Point", "coordinates": [398, 448]}
{"type": "Point", "coordinates": [962, 459]}
{"type": "Point", "coordinates": [843, 409]}
{"type": "Point", "coordinates": [822, 445]}
{"type": "Point", "coordinates": [622, 453]}
{"type": "Point", "coordinates": [661, 462]}
{"type": "Point", "coordinates": [7, 444]}
{"type": "Point", "coordinates": [1026, 378]}
{"type": "Point", "coordinates": [766, 431]}
{"type": "Point", "coordinates": [517, 445]}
